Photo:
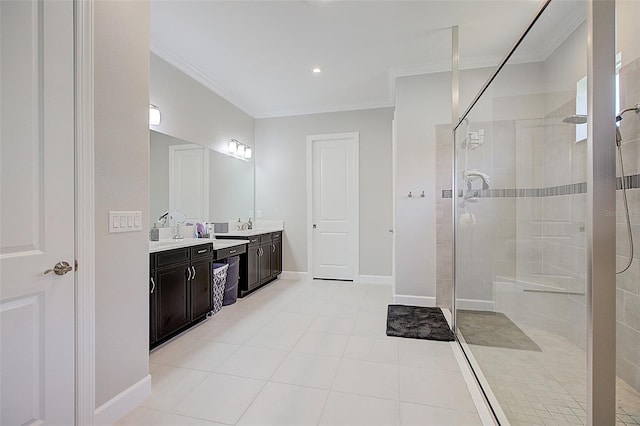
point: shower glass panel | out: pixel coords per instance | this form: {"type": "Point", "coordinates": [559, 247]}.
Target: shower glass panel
{"type": "Point", "coordinates": [627, 287]}
{"type": "Point", "coordinates": [520, 202]}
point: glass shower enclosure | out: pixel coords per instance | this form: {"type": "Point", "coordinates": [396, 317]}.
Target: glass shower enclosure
{"type": "Point", "coordinates": [533, 199]}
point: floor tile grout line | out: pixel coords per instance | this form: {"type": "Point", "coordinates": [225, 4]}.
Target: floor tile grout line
{"type": "Point", "coordinates": [251, 403]}
{"type": "Point", "coordinates": [360, 313]}
{"type": "Point", "coordinates": [335, 374]}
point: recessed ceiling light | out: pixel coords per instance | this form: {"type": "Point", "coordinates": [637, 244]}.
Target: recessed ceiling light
{"type": "Point", "coordinates": [317, 70]}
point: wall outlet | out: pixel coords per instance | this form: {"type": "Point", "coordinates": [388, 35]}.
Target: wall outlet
{"type": "Point", "coordinates": [258, 213]}
{"type": "Point", "coordinates": [125, 221]}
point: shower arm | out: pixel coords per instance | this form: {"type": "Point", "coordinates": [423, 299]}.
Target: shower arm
{"type": "Point", "coordinates": [635, 108]}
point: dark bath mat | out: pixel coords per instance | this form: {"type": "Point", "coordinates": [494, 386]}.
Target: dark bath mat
{"type": "Point", "coordinates": [495, 329]}
{"type": "Point", "coordinates": [417, 322]}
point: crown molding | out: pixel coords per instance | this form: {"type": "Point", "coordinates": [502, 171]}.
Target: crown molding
{"type": "Point", "coordinates": [386, 103]}
{"type": "Point", "coordinates": [177, 61]}
{"type": "Point", "coordinates": [567, 29]}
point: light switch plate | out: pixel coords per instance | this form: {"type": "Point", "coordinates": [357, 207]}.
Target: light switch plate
{"type": "Point", "coordinates": [125, 221]}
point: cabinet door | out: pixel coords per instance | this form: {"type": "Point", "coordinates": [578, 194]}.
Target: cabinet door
{"type": "Point", "coordinates": [253, 267]}
{"type": "Point", "coordinates": [276, 257]}
{"type": "Point", "coordinates": [172, 300]}
{"type": "Point", "coordinates": [265, 262]}
{"type": "Point", "coordinates": [201, 294]}
{"type": "Point", "coordinates": [152, 308]}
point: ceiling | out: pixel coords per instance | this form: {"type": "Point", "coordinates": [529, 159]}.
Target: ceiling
{"type": "Point", "coordinates": [259, 55]}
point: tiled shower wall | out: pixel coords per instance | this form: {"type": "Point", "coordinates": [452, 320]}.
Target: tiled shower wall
{"type": "Point", "coordinates": [487, 248]}
{"type": "Point", "coordinates": [627, 283]}
{"type": "Point", "coordinates": [531, 239]}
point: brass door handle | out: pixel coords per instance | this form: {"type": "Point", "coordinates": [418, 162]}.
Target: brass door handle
{"type": "Point", "coordinates": [60, 268]}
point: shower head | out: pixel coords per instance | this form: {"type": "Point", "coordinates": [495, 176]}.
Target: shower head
{"type": "Point", "coordinates": [575, 119]}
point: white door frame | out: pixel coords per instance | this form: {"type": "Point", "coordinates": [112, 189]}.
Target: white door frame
{"type": "Point", "coordinates": [356, 164]}
{"type": "Point", "coordinates": [393, 205]}
{"type": "Point", "coordinates": [85, 213]}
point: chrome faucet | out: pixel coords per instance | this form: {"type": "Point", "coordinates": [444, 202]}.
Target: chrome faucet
{"type": "Point", "coordinates": [469, 175]}
{"type": "Point", "coordinates": [162, 219]}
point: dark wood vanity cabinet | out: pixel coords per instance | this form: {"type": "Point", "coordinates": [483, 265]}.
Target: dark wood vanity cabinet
{"type": "Point", "coordinates": [180, 292]}
{"type": "Point", "coordinates": [172, 300]}
{"type": "Point", "coordinates": [201, 297]}
{"type": "Point", "coordinates": [253, 267]}
{"type": "Point", "coordinates": [264, 260]}
{"type": "Point", "coordinates": [276, 255]}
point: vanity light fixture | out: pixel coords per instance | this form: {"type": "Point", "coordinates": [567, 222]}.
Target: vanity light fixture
{"type": "Point", "coordinates": [233, 146]}
{"type": "Point", "coordinates": [239, 150]}
{"type": "Point", "coordinates": [317, 70]}
{"type": "Point", "coordinates": [154, 115]}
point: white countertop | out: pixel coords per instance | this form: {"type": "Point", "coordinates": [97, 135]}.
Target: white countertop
{"type": "Point", "coordinates": [162, 245]}
{"type": "Point", "coordinates": [248, 232]}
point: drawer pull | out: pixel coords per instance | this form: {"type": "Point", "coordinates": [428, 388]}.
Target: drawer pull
{"type": "Point", "coordinates": [232, 251]}
{"type": "Point", "coordinates": [202, 251]}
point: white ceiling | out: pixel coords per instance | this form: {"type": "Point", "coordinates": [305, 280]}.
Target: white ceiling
{"type": "Point", "coordinates": [259, 54]}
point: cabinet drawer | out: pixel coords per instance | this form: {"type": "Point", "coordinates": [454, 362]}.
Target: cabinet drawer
{"type": "Point", "coordinates": [152, 261]}
{"type": "Point", "coordinates": [230, 251]}
{"type": "Point", "coordinates": [202, 251]}
{"type": "Point", "coordinates": [265, 238]}
{"type": "Point", "coordinates": [172, 257]}
{"type": "Point", "coordinates": [254, 240]}
{"type": "Point", "coordinates": [276, 236]}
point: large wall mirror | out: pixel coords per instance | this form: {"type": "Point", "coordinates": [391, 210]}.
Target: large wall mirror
{"type": "Point", "coordinates": [205, 185]}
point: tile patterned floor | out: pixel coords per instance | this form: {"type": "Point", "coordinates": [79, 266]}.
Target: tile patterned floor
{"type": "Point", "coordinates": [551, 388]}
{"type": "Point", "coordinates": [304, 353]}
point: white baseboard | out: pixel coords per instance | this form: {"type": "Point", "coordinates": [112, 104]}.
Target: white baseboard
{"type": "Point", "coordinates": [118, 406]}
{"type": "Point", "coordinates": [401, 299]}
{"type": "Point", "coordinates": [475, 304]}
{"type": "Point", "coordinates": [374, 279]}
{"type": "Point", "coordinates": [294, 275]}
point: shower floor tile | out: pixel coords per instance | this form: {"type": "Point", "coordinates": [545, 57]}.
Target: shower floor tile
{"type": "Point", "coordinates": [551, 390]}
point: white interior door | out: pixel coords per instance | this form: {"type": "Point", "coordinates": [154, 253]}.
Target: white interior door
{"type": "Point", "coordinates": [37, 346]}
{"type": "Point", "coordinates": [335, 206]}
{"type": "Point", "coordinates": [189, 181]}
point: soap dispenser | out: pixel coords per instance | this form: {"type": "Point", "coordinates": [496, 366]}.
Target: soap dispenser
{"type": "Point", "coordinates": [154, 234]}
{"type": "Point", "coordinates": [250, 224]}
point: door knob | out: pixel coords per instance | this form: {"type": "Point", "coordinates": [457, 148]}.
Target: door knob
{"type": "Point", "coordinates": [60, 268]}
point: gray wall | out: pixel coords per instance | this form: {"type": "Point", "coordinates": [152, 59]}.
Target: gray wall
{"type": "Point", "coordinates": [121, 54]}
{"type": "Point", "coordinates": [192, 112]}
{"type": "Point", "coordinates": [422, 103]}
{"type": "Point", "coordinates": [281, 187]}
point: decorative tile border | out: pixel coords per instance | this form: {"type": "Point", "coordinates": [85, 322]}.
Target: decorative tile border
{"type": "Point", "coordinates": [631, 182]}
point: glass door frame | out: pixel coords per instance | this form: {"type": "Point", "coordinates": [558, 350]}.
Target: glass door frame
{"type": "Point", "coordinates": [601, 198]}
